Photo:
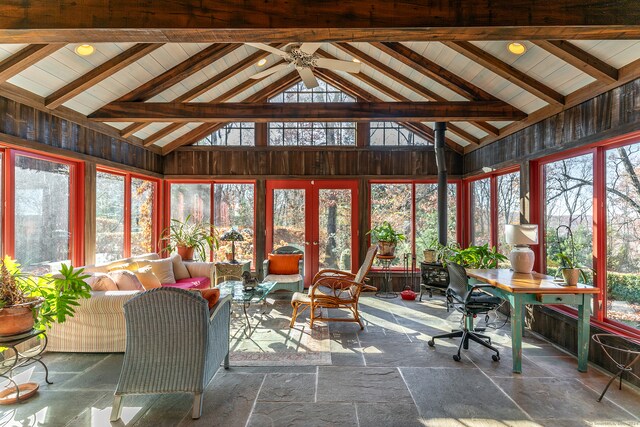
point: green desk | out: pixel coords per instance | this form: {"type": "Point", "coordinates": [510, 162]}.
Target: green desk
{"type": "Point", "coordinates": [535, 288]}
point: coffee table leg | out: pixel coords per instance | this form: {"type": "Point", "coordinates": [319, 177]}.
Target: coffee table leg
{"type": "Point", "coordinates": [246, 317]}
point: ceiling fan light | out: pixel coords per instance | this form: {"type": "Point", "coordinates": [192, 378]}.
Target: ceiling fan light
{"type": "Point", "coordinates": [84, 49]}
{"type": "Point", "coordinates": [262, 62]}
{"type": "Point", "coordinates": [517, 48]}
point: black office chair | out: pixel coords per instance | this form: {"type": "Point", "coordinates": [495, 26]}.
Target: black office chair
{"type": "Point", "coordinates": [470, 303]}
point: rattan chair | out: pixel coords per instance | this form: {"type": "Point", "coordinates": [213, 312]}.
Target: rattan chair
{"type": "Point", "coordinates": [334, 289]}
{"type": "Point", "coordinates": [174, 344]}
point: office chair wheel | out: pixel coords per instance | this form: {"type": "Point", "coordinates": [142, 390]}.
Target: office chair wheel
{"type": "Point", "coordinates": [456, 357]}
{"type": "Point", "coordinates": [495, 357]}
{"type": "Point", "coordinates": [431, 343]}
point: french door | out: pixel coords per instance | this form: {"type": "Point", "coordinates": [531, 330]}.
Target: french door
{"type": "Point", "coordinates": [319, 217]}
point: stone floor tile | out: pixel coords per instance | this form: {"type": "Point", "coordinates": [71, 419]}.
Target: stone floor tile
{"type": "Point", "coordinates": [270, 414]}
{"type": "Point", "coordinates": [98, 414]}
{"type": "Point", "coordinates": [101, 376]}
{"type": "Point", "coordinates": [280, 387]}
{"type": "Point", "coordinates": [359, 384]}
{"type": "Point", "coordinates": [388, 414]}
{"type": "Point", "coordinates": [459, 393]}
{"type": "Point", "coordinates": [347, 359]}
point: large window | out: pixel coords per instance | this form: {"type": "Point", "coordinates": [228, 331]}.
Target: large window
{"type": "Point", "coordinates": [232, 205]}
{"type": "Point", "coordinates": [232, 135]}
{"type": "Point", "coordinates": [480, 212]}
{"type": "Point", "coordinates": [411, 208]}
{"type": "Point", "coordinates": [568, 202]}
{"type": "Point", "coordinates": [312, 133]}
{"type": "Point", "coordinates": [508, 189]}
{"type": "Point", "coordinates": [125, 207]}
{"type": "Point", "coordinates": [393, 134]}
{"type": "Point", "coordinates": [42, 212]}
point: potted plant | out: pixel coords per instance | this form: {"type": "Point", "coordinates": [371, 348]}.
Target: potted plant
{"type": "Point", "coordinates": [189, 238]}
{"type": "Point", "coordinates": [475, 256]}
{"type": "Point", "coordinates": [386, 237]}
{"type": "Point", "coordinates": [27, 302]}
{"type": "Point", "coordinates": [571, 270]}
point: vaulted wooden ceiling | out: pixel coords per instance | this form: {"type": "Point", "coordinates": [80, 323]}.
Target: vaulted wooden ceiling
{"type": "Point", "coordinates": [166, 80]}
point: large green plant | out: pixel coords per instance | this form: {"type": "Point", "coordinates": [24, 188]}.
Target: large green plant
{"type": "Point", "coordinates": [474, 256]}
{"type": "Point", "coordinates": [386, 233]}
{"type": "Point", "coordinates": [566, 257]}
{"type": "Point", "coordinates": [191, 234]}
{"type": "Point", "coordinates": [59, 293]}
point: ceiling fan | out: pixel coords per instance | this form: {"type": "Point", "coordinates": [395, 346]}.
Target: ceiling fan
{"type": "Point", "coordinates": [303, 58]}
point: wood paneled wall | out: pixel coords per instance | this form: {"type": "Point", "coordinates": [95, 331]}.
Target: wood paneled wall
{"type": "Point", "coordinates": [49, 133]}
{"type": "Point", "coordinates": [611, 114]}
{"type": "Point", "coordinates": [307, 162]}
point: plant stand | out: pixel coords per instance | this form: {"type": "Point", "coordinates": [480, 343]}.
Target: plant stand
{"type": "Point", "coordinates": [30, 356]}
{"type": "Point", "coordinates": [617, 349]}
{"type": "Point", "coordinates": [386, 290]}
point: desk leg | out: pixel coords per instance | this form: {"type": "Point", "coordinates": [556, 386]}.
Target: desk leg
{"type": "Point", "coordinates": [584, 312]}
{"type": "Point", "coordinates": [516, 331]}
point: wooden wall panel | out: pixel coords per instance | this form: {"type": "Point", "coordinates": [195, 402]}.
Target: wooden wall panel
{"type": "Point", "coordinates": [51, 132]}
{"type": "Point", "coordinates": [307, 162]}
{"type": "Point", "coordinates": [611, 114]}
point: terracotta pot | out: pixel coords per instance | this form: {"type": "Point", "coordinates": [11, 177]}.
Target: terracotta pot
{"type": "Point", "coordinates": [571, 276]}
{"type": "Point", "coordinates": [18, 319]}
{"type": "Point", "coordinates": [229, 256]}
{"type": "Point", "coordinates": [386, 248]}
{"type": "Point", "coordinates": [186, 253]}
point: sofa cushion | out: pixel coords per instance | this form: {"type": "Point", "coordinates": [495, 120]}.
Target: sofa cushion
{"type": "Point", "coordinates": [191, 283]}
{"type": "Point", "coordinates": [162, 268]}
{"type": "Point", "coordinates": [101, 282]}
{"type": "Point", "coordinates": [179, 269]}
{"type": "Point", "coordinates": [147, 278]}
{"type": "Point", "coordinates": [126, 280]}
{"type": "Point", "coordinates": [284, 263]}
{"type": "Point", "coordinates": [211, 295]}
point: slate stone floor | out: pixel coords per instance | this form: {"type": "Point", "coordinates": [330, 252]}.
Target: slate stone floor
{"type": "Point", "coordinates": [385, 375]}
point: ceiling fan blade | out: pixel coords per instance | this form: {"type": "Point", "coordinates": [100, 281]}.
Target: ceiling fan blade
{"type": "Point", "coordinates": [335, 64]}
{"type": "Point", "coordinates": [269, 71]}
{"type": "Point", "coordinates": [308, 78]}
{"type": "Point", "coordinates": [310, 48]}
{"type": "Point", "coordinates": [268, 48]}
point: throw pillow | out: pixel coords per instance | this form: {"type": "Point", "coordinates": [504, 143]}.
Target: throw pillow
{"type": "Point", "coordinates": [147, 278]}
{"type": "Point", "coordinates": [131, 266]}
{"type": "Point", "coordinates": [126, 280]}
{"type": "Point", "coordinates": [162, 268]}
{"type": "Point", "coordinates": [284, 264]}
{"type": "Point", "coordinates": [211, 295]}
{"type": "Point", "coordinates": [179, 269]}
{"type": "Point", "coordinates": [101, 282]}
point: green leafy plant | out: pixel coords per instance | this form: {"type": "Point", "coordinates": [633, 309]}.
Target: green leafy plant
{"type": "Point", "coordinates": [386, 233]}
{"type": "Point", "coordinates": [190, 234]}
{"type": "Point", "coordinates": [59, 294]}
{"type": "Point", "coordinates": [566, 257]}
{"type": "Point", "coordinates": [474, 256]}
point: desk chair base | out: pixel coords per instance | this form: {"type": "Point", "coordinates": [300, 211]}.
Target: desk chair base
{"type": "Point", "coordinates": [465, 336]}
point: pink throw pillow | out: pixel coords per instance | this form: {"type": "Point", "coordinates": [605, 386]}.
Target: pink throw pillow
{"type": "Point", "coordinates": [101, 282]}
{"type": "Point", "coordinates": [126, 280]}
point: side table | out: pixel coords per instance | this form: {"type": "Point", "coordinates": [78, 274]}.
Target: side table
{"type": "Point", "coordinates": [228, 269]}
{"type": "Point", "coordinates": [386, 290]}
{"type": "Point", "coordinates": [20, 359]}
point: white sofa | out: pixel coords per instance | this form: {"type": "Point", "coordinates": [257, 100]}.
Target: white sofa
{"type": "Point", "coordinates": [98, 325]}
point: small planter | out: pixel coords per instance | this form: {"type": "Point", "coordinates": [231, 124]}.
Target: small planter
{"type": "Point", "coordinates": [18, 319]}
{"type": "Point", "coordinates": [386, 248]}
{"type": "Point", "coordinates": [571, 276]}
{"type": "Point", "coordinates": [186, 252]}
{"type": "Point", "coordinates": [429, 256]}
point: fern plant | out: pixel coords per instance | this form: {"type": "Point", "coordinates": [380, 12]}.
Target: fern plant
{"type": "Point", "coordinates": [59, 293]}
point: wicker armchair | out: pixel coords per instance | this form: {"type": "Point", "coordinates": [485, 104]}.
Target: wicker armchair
{"type": "Point", "coordinates": [174, 344]}
{"type": "Point", "coordinates": [334, 289]}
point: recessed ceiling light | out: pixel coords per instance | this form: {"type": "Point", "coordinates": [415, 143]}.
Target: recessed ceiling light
{"type": "Point", "coordinates": [262, 62]}
{"type": "Point", "coordinates": [84, 49]}
{"type": "Point", "coordinates": [356, 60]}
{"type": "Point", "coordinates": [516, 48]}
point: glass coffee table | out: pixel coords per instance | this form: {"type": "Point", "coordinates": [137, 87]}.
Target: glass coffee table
{"type": "Point", "coordinates": [245, 296]}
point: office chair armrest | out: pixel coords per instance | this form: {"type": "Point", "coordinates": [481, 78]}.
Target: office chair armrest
{"type": "Point", "coordinates": [467, 296]}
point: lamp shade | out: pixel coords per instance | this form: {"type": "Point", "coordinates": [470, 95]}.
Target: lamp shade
{"type": "Point", "coordinates": [232, 235]}
{"type": "Point", "coordinates": [522, 234]}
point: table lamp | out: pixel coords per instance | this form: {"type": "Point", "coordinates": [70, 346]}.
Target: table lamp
{"type": "Point", "coordinates": [521, 236]}
{"type": "Point", "coordinates": [232, 236]}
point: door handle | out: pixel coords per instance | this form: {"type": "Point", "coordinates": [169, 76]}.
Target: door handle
{"type": "Point", "coordinates": [306, 243]}
{"type": "Point", "coordinates": [315, 243]}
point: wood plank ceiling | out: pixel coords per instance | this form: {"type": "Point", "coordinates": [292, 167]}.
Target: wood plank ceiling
{"type": "Point", "coordinates": [166, 88]}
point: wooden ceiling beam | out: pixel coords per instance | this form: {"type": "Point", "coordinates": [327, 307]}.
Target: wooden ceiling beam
{"type": "Point", "coordinates": [399, 97]}
{"type": "Point", "coordinates": [179, 72]}
{"type": "Point", "coordinates": [207, 128]}
{"type": "Point", "coordinates": [435, 72]}
{"type": "Point", "coordinates": [100, 73]}
{"type": "Point", "coordinates": [580, 59]}
{"type": "Point", "coordinates": [264, 112]}
{"type": "Point", "coordinates": [25, 58]}
{"type": "Point", "coordinates": [507, 72]}
{"type": "Point", "coordinates": [188, 20]}
{"type": "Point", "coordinates": [405, 81]}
